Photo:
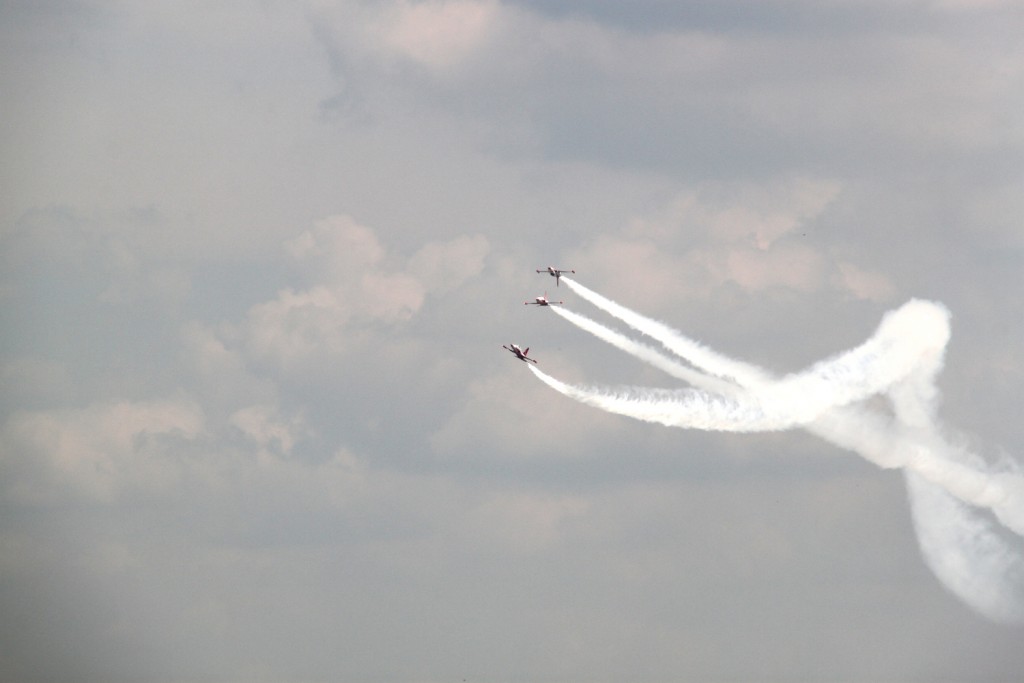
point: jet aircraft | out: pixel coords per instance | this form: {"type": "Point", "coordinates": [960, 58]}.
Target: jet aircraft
{"type": "Point", "coordinates": [555, 272]}
{"type": "Point", "coordinates": [541, 301]}
{"type": "Point", "coordinates": [519, 353]}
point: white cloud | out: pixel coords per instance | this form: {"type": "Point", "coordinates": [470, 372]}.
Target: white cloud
{"type": "Point", "coordinates": [357, 285]}
{"type": "Point", "coordinates": [336, 250]}
{"type": "Point", "coordinates": [390, 297]}
{"type": "Point", "coordinates": [221, 371]}
{"type": "Point", "coordinates": [506, 418]}
{"type": "Point", "coordinates": [263, 425]}
{"type": "Point", "coordinates": [640, 268]}
{"type": "Point", "coordinates": [865, 284]}
{"type": "Point", "coordinates": [323, 459]}
{"type": "Point", "coordinates": [98, 452]}
{"type": "Point", "coordinates": [755, 237]}
{"type": "Point", "coordinates": [443, 267]}
{"type": "Point", "coordinates": [439, 34]}
{"type": "Point", "coordinates": [297, 326]}
{"type": "Point", "coordinates": [795, 267]}
{"type": "Point", "coordinates": [108, 453]}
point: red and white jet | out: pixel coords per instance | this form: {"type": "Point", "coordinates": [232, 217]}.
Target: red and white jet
{"type": "Point", "coordinates": [541, 301]}
{"type": "Point", "coordinates": [520, 353]}
{"type": "Point", "coordinates": [555, 272]}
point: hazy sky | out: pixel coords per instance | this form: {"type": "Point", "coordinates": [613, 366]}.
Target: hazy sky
{"type": "Point", "coordinates": [259, 259]}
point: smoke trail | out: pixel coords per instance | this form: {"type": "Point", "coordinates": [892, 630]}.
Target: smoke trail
{"type": "Point", "coordinates": [906, 353]}
{"type": "Point", "coordinates": [696, 353]}
{"type": "Point", "coordinates": [916, 331]}
{"type": "Point", "coordinates": [970, 556]}
{"type": "Point", "coordinates": [967, 552]}
{"type": "Point", "coordinates": [647, 354]}
{"type": "Point", "coordinates": [903, 337]}
{"type": "Point", "coordinates": [687, 408]}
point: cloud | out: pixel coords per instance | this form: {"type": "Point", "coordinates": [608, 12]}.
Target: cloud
{"type": "Point", "coordinates": [263, 425]}
{"type": "Point", "coordinates": [220, 373]}
{"type": "Point", "coordinates": [752, 236]}
{"type": "Point", "coordinates": [297, 326]}
{"type": "Point", "coordinates": [99, 452]}
{"type": "Point", "coordinates": [502, 419]}
{"type": "Point", "coordinates": [115, 454]}
{"type": "Point", "coordinates": [362, 458]}
{"type": "Point", "coordinates": [356, 286]}
{"type": "Point", "coordinates": [795, 267]}
{"type": "Point", "coordinates": [864, 284]}
{"type": "Point", "coordinates": [439, 34]}
{"type": "Point", "coordinates": [443, 267]}
{"type": "Point", "coordinates": [720, 97]}
{"type": "Point", "coordinates": [336, 250]}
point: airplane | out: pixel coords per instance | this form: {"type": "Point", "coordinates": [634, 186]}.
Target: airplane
{"type": "Point", "coordinates": [520, 353]}
{"type": "Point", "coordinates": [541, 301]}
{"type": "Point", "coordinates": [555, 273]}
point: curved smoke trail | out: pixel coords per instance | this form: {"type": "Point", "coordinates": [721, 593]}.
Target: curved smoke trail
{"type": "Point", "coordinates": [946, 482]}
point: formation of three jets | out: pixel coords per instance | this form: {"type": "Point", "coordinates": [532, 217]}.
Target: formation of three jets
{"type": "Point", "coordinates": [556, 273]}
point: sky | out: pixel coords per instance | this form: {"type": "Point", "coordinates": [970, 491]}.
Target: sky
{"type": "Point", "coordinates": [258, 260]}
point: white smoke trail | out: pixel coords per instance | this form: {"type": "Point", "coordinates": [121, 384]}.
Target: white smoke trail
{"type": "Point", "coordinates": [648, 355]}
{"type": "Point", "coordinates": [916, 331]}
{"type": "Point", "coordinates": [906, 353]}
{"type": "Point", "coordinates": [687, 408]}
{"type": "Point", "coordinates": [696, 353]}
{"type": "Point", "coordinates": [901, 361]}
{"type": "Point", "coordinates": [967, 552]}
